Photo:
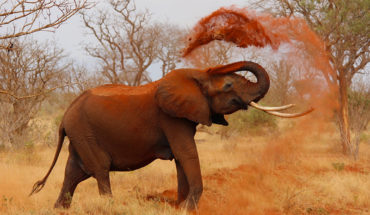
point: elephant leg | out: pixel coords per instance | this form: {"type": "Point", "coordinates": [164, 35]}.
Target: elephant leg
{"type": "Point", "coordinates": [102, 177]}
{"type": "Point", "coordinates": [193, 175]}
{"type": "Point", "coordinates": [73, 176]}
{"type": "Point", "coordinates": [96, 161]}
{"type": "Point", "coordinates": [185, 151]}
{"type": "Point", "coordinates": [182, 183]}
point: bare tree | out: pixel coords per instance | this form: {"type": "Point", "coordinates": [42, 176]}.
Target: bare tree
{"type": "Point", "coordinates": [281, 75]}
{"type": "Point", "coordinates": [31, 69]}
{"type": "Point", "coordinates": [21, 17]}
{"type": "Point", "coordinates": [127, 42]}
{"type": "Point", "coordinates": [83, 80]}
{"type": "Point", "coordinates": [213, 54]}
{"type": "Point", "coordinates": [171, 43]}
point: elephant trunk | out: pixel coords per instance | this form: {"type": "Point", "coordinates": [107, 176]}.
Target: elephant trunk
{"type": "Point", "coordinates": [260, 88]}
{"type": "Point", "coordinates": [256, 90]}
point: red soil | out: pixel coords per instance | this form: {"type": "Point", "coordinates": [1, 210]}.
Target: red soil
{"type": "Point", "coordinates": [246, 190]}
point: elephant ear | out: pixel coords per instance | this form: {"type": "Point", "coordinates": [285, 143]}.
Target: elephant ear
{"type": "Point", "coordinates": [179, 94]}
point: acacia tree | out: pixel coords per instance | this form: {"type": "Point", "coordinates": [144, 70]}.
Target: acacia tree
{"type": "Point", "coordinates": [344, 27]}
{"type": "Point", "coordinates": [31, 69]}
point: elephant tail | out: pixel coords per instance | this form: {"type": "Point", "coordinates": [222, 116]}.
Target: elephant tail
{"type": "Point", "coordinates": [41, 183]}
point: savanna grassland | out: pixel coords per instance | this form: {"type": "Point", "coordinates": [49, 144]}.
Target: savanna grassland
{"type": "Point", "coordinates": [257, 165]}
{"type": "Point", "coordinates": [288, 169]}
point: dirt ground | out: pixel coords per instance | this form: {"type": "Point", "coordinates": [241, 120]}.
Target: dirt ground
{"type": "Point", "coordinates": [263, 174]}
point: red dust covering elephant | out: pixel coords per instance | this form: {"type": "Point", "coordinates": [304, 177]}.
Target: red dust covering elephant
{"type": "Point", "coordinates": [122, 128]}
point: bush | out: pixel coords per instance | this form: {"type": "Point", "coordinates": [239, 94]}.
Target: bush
{"type": "Point", "coordinates": [252, 121]}
{"type": "Point", "coordinates": [359, 109]}
{"type": "Point", "coordinates": [258, 118]}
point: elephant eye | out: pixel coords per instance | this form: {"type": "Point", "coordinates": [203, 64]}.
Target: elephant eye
{"type": "Point", "coordinates": [227, 86]}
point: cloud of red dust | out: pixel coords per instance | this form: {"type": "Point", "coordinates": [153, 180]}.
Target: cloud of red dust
{"type": "Point", "coordinates": [315, 83]}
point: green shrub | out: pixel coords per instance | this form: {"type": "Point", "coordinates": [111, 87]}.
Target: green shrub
{"type": "Point", "coordinates": [359, 109]}
{"type": "Point", "coordinates": [259, 118]}
{"type": "Point", "coordinates": [252, 121]}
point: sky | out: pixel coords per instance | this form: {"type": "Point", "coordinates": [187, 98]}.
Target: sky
{"type": "Point", "coordinates": [185, 13]}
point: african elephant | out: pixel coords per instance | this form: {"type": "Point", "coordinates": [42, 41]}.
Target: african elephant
{"type": "Point", "coordinates": [122, 128]}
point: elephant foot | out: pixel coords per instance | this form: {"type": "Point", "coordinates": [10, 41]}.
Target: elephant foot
{"type": "Point", "coordinates": [64, 202]}
{"type": "Point", "coordinates": [189, 205]}
{"type": "Point", "coordinates": [181, 197]}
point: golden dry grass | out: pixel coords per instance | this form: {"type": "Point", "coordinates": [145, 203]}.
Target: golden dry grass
{"type": "Point", "coordinates": [275, 174]}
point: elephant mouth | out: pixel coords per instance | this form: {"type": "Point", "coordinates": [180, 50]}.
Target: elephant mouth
{"type": "Point", "coordinates": [219, 119]}
{"type": "Point", "coordinates": [239, 103]}
{"type": "Point", "coordinates": [274, 110]}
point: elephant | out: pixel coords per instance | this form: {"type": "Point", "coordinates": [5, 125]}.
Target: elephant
{"type": "Point", "coordinates": [122, 128]}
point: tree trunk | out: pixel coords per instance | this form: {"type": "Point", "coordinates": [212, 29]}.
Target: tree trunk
{"type": "Point", "coordinates": [20, 122]}
{"type": "Point", "coordinates": [343, 116]}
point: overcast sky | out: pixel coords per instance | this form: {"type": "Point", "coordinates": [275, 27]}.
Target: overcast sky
{"type": "Point", "coordinates": [185, 13]}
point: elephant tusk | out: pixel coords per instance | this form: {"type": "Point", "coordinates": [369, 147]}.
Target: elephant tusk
{"type": "Point", "coordinates": [260, 107]}
{"type": "Point", "coordinates": [289, 115]}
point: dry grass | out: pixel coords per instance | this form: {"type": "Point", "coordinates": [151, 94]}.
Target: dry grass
{"type": "Point", "coordinates": [284, 174]}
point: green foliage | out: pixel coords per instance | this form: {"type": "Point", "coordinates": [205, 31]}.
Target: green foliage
{"type": "Point", "coordinates": [258, 118]}
{"type": "Point", "coordinates": [252, 121]}
{"type": "Point", "coordinates": [359, 98]}
{"type": "Point", "coordinates": [359, 109]}
{"type": "Point", "coordinates": [341, 18]}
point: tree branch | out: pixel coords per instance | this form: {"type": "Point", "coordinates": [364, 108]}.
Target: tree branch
{"type": "Point", "coordinates": [37, 94]}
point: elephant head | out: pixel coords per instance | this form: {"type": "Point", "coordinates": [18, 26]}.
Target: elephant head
{"type": "Point", "coordinates": [206, 96]}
